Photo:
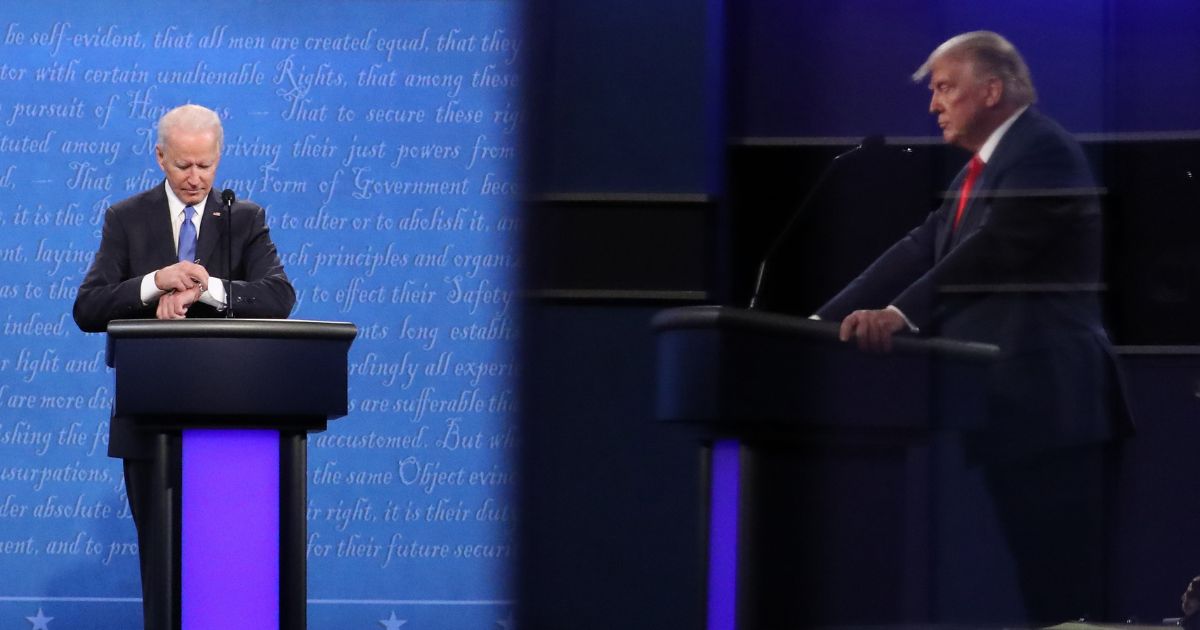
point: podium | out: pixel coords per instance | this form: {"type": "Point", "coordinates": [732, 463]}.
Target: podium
{"type": "Point", "coordinates": [820, 468]}
{"type": "Point", "coordinates": [230, 403]}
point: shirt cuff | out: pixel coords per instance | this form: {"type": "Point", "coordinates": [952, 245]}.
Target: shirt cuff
{"type": "Point", "coordinates": [911, 328]}
{"type": "Point", "coordinates": [215, 295]}
{"type": "Point", "coordinates": [149, 291]}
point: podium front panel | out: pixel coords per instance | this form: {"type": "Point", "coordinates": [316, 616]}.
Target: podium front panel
{"type": "Point", "coordinates": [230, 546]}
{"type": "Point", "coordinates": [300, 379]}
{"type": "Point", "coordinates": [229, 403]}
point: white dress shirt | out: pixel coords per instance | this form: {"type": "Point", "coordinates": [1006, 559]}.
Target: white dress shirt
{"type": "Point", "coordinates": [214, 294]}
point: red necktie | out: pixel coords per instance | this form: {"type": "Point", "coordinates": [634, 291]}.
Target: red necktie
{"type": "Point", "coordinates": [974, 168]}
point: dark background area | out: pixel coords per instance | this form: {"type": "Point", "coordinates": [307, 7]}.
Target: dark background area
{"type": "Point", "coordinates": [669, 143]}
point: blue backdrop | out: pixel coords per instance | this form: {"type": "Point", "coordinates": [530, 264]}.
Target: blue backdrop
{"type": "Point", "coordinates": [380, 136]}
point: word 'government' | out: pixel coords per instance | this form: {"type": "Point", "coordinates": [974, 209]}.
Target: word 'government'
{"type": "Point", "coordinates": [384, 150]}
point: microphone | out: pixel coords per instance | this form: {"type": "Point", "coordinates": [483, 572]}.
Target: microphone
{"type": "Point", "coordinates": [227, 198]}
{"type": "Point", "coordinates": [871, 141]}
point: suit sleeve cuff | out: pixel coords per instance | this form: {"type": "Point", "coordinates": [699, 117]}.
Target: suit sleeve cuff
{"type": "Point", "coordinates": [149, 291]}
{"type": "Point", "coordinates": [911, 328]}
{"type": "Point", "coordinates": [215, 295]}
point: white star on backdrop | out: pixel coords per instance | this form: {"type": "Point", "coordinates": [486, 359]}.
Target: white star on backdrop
{"type": "Point", "coordinates": [41, 621]}
{"type": "Point", "coordinates": [507, 623]}
{"type": "Point", "coordinates": [392, 623]}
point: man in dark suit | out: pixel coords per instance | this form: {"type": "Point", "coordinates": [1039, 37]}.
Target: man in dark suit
{"type": "Point", "coordinates": [162, 254]}
{"type": "Point", "coordinates": [1012, 258]}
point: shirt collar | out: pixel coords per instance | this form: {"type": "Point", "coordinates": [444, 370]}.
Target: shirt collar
{"type": "Point", "coordinates": [176, 205]}
{"type": "Point", "coordinates": [989, 147]}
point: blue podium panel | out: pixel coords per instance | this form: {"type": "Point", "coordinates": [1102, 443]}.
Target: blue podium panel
{"type": "Point", "coordinates": [230, 539]}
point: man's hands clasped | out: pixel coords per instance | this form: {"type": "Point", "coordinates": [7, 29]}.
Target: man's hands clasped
{"type": "Point", "coordinates": [180, 277]}
{"type": "Point", "coordinates": [183, 283]}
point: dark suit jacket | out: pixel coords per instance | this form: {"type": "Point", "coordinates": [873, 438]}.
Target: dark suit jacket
{"type": "Point", "coordinates": [1021, 271]}
{"type": "Point", "coordinates": [137, 239]}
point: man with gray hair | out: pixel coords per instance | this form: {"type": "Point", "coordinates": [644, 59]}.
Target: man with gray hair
{"type": "Point", "coordinates": [163, 255]}
{"type": "Point", "coordinates": [140, 271]}
{"type": "Point", "coordinates": [1012, 258]}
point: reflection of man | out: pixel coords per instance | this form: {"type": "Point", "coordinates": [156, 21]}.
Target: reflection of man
{"type": "Point", "coordinates": [157, 250]}
{"type": "Point", "coordinates": [1012, 258]}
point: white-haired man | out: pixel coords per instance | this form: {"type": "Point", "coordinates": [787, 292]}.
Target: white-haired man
{"type": "Point", "coordinates": [163, 254]}
{"type": "Point", "coordinates": [1013, 258]}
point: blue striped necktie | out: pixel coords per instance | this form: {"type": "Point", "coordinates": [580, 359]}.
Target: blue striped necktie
{"type": "Point", "coordinates": [187, 236]}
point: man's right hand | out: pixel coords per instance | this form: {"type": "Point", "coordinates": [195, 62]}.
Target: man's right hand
{"type": "Point", "coordinates": [181, 276]}
{"type": "Point", "coordinates": [872, 329]}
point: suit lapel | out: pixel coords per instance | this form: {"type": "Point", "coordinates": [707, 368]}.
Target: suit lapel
{"type": "Point", "coordinates": [976, 210]}
{"type": "Point", "coordinates": [158, 221]}
{"type": "Point", "coordinates": [946, 236]}
{"type": "Point", "coordinates": [212, 230]}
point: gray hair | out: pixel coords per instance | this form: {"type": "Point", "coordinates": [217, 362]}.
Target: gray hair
{"type": "Point", "coordinates": [992, 55]}
{"type": "Point", "coordinates": [194, 118]}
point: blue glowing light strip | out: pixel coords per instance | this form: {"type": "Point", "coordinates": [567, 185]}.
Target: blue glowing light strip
{"type": "Point", "coordinates": [725, 485]}
{"type": "Point", "coordinates": [230, 540]}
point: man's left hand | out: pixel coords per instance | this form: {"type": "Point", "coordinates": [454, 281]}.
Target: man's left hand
{"type": "Point", "coordinates": [872, 329]}
{"type": "Point", "coordinates": [174, 305]}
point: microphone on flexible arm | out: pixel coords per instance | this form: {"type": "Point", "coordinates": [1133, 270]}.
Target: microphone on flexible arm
{"type": "Point", "coordinates": [227, 198]}
{"type": "Point", "coordinates": [802, 210]}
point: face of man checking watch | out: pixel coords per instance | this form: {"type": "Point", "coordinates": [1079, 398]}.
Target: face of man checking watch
{"type": "Point", "coordinates": [189, 159]}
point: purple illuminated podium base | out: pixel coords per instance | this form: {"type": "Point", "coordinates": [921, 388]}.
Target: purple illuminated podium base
{"type": "Point", "coordinates": [724, 493]}
{"type": "Point", "coordinates": [226, 525]}
{"type": "Point", "coordinates": [229, 544]}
